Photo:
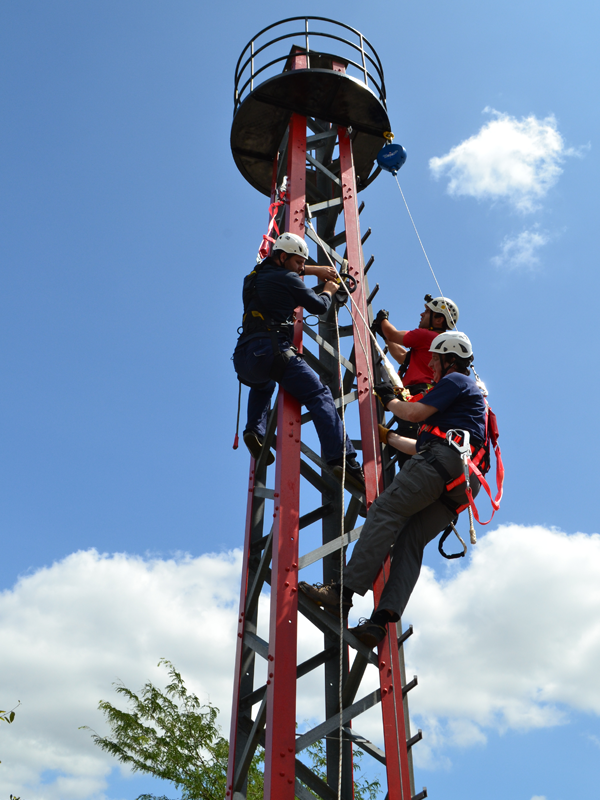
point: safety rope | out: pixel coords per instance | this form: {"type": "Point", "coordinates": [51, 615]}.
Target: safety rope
{"type": "Point", "coordinates": [342, 564]}
{"type": "Point", "coordinates": [478, 380]}
{"type": "Point", "coordinates": [421, 243]}
{"type": "Point", "coordinates": [342, 520]}
{"type": "Point", "coordinates": [362, 345]}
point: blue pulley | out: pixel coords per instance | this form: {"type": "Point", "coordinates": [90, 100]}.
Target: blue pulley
{"type": "Point", "coordinates": [391, 157]}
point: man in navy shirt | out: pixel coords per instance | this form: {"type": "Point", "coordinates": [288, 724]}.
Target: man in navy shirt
{"type": "Point", "coordinates": [265, 356]}
{"type": "Point", "coordinates": [416, 506]}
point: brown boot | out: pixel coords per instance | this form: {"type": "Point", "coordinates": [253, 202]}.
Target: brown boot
{"type": "Point", "coordinates": [328, 597]}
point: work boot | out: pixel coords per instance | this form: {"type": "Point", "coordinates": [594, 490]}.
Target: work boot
{"type": "Point", "coordinates": [368, 632]}
{"type": "Point", "coordinates": [254, 443]}
{"type": "Point", "coordinates": [328, 597]}
{"type": "Point", "coordinates": [354, 472]}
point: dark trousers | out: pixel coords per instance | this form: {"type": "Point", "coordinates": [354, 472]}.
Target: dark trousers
{"type": "Point", "coordinates": [253, 361]}
{"type": "Point", "coordinates": [406, 516]}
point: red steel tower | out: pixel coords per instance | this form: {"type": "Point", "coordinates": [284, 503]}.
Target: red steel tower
{"type": "Point", "coordinates": [307, 127]}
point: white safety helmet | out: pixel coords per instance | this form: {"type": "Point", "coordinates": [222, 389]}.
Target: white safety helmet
{"type": "Point", "coordinates": [452, 342]}
{"type": "Point", "coordinates": [291, 243]}
{"type": "Point", "coordinates": [445, 306]}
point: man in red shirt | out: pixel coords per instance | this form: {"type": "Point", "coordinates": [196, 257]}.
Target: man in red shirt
{"type": "Point", "coordinates": [440, 314]}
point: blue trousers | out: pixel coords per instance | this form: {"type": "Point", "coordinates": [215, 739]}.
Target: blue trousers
{"type": "Point", "coordinates": [253, 361]}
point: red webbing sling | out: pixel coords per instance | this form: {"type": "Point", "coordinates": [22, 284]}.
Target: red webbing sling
{"type": "Point", "coordinates": [265, 248]}
{"type": "Point", "coordinates": [491, 432]}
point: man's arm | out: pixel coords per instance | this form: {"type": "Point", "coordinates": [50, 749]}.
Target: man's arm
{"type": "Point", "coordinates": [397, 352]}
{"type": "Point", "coordinates": [392, 334]}
{"type": "Point", "coordinates": [402, 443]}
{"type": "Point", "coordinates": [411, 412]}
{"type": "Point", "coordinates": [307, 298]}
{"type": "Point", "coordinates": [323, 274]}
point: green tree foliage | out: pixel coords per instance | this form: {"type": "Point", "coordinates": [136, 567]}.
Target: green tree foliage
{"type": "Point", "coordinates": [363, 788]}
{"type": "Point", "coordinates": [171, 735]}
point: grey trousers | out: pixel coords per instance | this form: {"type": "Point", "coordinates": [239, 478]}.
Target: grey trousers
{"type": "Point", "coordinates": [407, 515]}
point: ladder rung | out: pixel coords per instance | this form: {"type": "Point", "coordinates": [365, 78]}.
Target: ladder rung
{"type": "Point", "coordinates": [318, 732]}
{"type": "Point", "coordinates": [326, 549]}
{"type": "Point", "coordinates": [365, 745]}
{"type": "Point", "coordinates": [325, 205]}
{"type": "Point", "coordinates": [371, 297]}
{"type": "Point", "coordinates": [261, 491]}
{"type": "Point", "coordinates": [408, 632]}
{"type": "Point", "coordinates": [414, 739]}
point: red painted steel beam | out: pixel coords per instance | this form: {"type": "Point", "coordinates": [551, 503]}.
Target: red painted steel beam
{"type": "Point", "coordinates": [389, 664]}
{"type": "Point", "coordinates": [280, 732]}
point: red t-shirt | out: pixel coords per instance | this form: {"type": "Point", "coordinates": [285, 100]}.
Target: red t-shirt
{"type": "Point", "coordinates": [419, 342]}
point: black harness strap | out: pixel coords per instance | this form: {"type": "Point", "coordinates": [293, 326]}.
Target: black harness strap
{"type": "Point", "coordinates": [450, 505]}
{"type": "Point", "coordinates": [444, 536]}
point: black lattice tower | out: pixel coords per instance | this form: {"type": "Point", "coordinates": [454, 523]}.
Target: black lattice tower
{"type": "Point", "coordinates": [314, 121]}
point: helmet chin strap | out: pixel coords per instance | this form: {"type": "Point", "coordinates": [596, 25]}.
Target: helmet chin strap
{"type": "Point", "coordinates": [444, 368]}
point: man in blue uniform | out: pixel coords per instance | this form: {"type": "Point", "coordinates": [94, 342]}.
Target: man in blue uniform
{"type": "Point", "coordinates": [416, 506]}
{"type": "Point", "coordinates": [265, 356]}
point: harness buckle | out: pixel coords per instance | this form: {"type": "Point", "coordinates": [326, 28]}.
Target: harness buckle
{"type": "Point", "coordinates": [459, 440]}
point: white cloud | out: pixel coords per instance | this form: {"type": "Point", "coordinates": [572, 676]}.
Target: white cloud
{"type": "Point", "coordinates": [521, 251]}
{"type": "Point", "coordinates": [509, 641]}
{"type": "Point", "coordinates": [508, 159]}
{"type": "Point", "coordinates": [538, 797]}
{"type": "Point", "coordinates": [517, 632]}
{"type": "Point", "coordinates": [70, 630]}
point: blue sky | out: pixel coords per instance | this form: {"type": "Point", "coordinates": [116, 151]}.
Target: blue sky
{"type": "Point", "coordinates": [126, 230]}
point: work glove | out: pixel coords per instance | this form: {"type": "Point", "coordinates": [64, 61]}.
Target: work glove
{"type": "Point", "coordinates": [376, 324]}
{"type": "Point", "coordinates": [383, 433]}
{"type": "Point", "coordinates": [385, 392]}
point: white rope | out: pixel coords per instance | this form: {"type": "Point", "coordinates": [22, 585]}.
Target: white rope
{"type": "Point", "coordinates": [341, 581]}
{"type": "Point", "coordinates": [420, 242]}
{"type": "Point", "coordinates": [478, 380]}
{"type": "Point", "coordinates": [362, 345]}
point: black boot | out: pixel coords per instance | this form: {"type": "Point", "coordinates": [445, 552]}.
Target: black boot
{"type": "Point", "coordinates": [355, 476]}
{"type": "Point", "coordinates": [254, 443]}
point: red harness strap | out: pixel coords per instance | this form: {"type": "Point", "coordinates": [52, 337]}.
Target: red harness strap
{"type": "Point", "coordinates": [265, 248]}
{"type": "Point", "coordinates": [491, 426]}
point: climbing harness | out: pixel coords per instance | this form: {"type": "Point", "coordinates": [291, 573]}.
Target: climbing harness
{"type": "Point", "coordinates": [476, 461]}
{"type": "Point", "coordinates": [257, 321]}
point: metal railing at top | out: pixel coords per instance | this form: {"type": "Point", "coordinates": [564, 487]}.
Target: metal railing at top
{"type": "Point", "coordinates": [367, 68]}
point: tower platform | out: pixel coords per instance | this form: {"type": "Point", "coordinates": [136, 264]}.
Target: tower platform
{"type": "Point", "coordinates": [325, 89]}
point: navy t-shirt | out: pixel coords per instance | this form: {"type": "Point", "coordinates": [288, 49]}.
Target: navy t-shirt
{"type": "Point", "coordinates": [459, 404]}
